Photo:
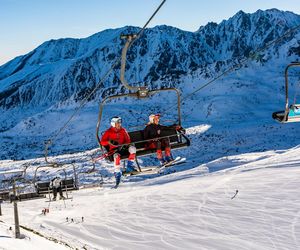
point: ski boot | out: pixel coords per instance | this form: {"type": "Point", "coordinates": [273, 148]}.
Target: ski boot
{"type": "Point", "coordinates": [162, 162]}
{"type": "Point", "coordinates": [168, 159]}
{"type": "Point", "coordinates": [130, 167]}
{"type": "Point", "coordinates": [118, 178]}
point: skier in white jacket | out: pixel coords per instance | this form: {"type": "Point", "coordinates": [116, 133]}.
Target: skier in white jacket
{"type": "Point", "coordinates": [56, 185]}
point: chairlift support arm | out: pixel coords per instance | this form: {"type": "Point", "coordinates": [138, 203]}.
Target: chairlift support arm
{"type": "Point", "coordinates": [294, 64]}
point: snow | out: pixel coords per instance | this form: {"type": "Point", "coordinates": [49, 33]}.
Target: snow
{"type": "Point", "coordinates": [190, 209]}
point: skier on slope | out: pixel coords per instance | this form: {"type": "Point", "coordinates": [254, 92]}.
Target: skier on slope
{"type": "Point", "coordinates": [153, 130]}
{"type": "Point", "coordinates": [112, 138]}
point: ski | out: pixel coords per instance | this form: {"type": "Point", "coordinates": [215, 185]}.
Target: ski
{"type": "Point", "coordinates": [171, 162]}
{"type": "Point", "coordinates": [157, 169]}
{"type": "Point", "coordinates": [143, 170]}
{"type": "Point", "coordinates": [176, 161]}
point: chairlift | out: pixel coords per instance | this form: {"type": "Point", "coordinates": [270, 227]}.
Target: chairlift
{"type": "Point", "coordinates": [68, 183]}
{"type": "Point", "coordinates": [177, 138]}
{"type": "Point", "coordinates": [291, 112]}
{"type": "Point", "coordinates": [13, 179]}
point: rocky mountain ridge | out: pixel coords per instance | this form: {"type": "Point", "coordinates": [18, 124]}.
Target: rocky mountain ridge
{"type": "Point", "coordinates": [67, 69]}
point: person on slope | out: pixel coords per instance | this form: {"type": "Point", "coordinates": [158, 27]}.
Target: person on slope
{"type": "Point", "coordinates": [113, 139]}
{"type": "Point", "coordinates": [153, 131]}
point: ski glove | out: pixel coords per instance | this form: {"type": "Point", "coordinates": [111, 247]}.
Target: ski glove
{"type": "Point", "coordinates": [114, 143]}
{"type": "Point", "coordinates": [178, 127]}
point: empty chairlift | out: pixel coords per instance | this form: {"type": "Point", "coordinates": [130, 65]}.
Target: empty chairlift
{"type": "Point", "coordinates": [291, 112]}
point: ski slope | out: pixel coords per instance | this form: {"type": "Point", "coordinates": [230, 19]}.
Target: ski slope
{"type": "Point", "coordinates": [189, 209]}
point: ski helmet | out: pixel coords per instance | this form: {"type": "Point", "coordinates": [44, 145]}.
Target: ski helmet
{"type": "Point", "coordinates": [152, 116]}
{"type": "Point", "coordinates": [114, 120]}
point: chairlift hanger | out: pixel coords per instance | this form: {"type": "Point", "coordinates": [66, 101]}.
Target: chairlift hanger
{"type": "Point", "coordinates": [35, 180]}
{"type": "Point", "coordinates": [177, 138]}
{"type": "Point", "coordinates": [291, 112]}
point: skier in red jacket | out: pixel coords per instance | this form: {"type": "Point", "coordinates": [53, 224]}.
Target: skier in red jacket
{"type": "Point", "coordinates": [112, 138]}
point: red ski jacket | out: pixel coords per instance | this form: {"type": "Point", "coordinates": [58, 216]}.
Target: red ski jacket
{"type": "Point", "coordinates": [118, 135]}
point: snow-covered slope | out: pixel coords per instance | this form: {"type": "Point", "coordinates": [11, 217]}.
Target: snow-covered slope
{"type": "Point", "coordinates": [246, 201]}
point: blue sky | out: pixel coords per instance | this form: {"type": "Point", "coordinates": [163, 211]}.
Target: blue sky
{"type": "Point", "coordinates": [25, 24]}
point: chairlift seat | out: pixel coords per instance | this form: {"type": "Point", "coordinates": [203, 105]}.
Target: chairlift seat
{"type": "Point", "coordinates": [44, 187]}
{"type": "Point", "coordinates": [4, 195]}
{"type": "Point", "coordinates": [177, 140]}
{"type": "Point", "coordinates": [29, 196]}
{"type": "Point", "coordinates": [293, 114]}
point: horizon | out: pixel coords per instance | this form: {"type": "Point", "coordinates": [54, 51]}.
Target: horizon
{"type": "Point", "coordinates": [35, 26]}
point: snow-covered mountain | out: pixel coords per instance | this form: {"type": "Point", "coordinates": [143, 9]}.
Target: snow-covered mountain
{"type": "Point", "coordinates": [45, 85]}
{"type": "Point", "coordinates": [67, 68]}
